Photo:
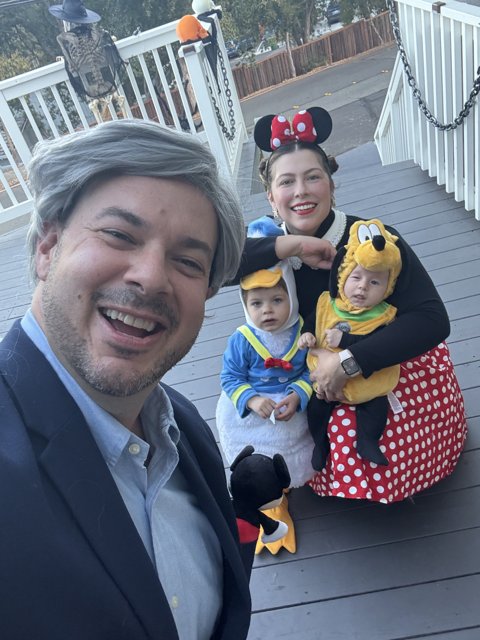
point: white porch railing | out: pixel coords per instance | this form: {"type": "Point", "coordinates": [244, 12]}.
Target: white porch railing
{"type": "Point", "coordinates": [162, 83]}
{"type": "Point", "coordinates": [442, 44]}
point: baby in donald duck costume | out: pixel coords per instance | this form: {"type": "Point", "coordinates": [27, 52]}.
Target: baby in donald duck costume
{"type": "Point", "coordinates": [265, 383]}
{"type": "Point", "coordinates": [363, 275]}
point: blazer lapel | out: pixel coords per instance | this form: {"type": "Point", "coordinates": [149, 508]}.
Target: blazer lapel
{"type": "Point", "coordinates": [75, 465]}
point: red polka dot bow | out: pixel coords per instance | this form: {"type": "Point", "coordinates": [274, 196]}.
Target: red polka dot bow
{"type": "Point", "coordinates": [301, 129]}
{"type": "Point", "coordinates": [270, 363]}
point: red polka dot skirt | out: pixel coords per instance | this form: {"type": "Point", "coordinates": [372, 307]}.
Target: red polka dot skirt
{"type": "Point", "coordinates": [423, 443]}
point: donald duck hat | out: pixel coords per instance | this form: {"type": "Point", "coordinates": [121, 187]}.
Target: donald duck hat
{"type": "Point", "coordinates": [267, 279]}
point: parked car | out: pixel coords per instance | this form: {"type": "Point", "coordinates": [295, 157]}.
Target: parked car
{"type": "Point", "coordinates": [232, 49]}
{"type": "Point", "coordinates": [236, 49]}
{"type": "Point", "coordinates": [333, 13]}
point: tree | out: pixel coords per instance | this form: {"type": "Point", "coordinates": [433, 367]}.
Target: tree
{"type": "Point", "coordinates": [30, 31]}
{"type": "Point", "coordinates": [13, 65]}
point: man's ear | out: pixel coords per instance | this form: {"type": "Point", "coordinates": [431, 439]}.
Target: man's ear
{"type": "Point", "coordinates": [45, 251]}
{"type": "Point", "coordinates": [210, 293]}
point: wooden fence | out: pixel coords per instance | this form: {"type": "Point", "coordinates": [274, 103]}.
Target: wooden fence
{"type": "Point", "coordinates": [332, 47]}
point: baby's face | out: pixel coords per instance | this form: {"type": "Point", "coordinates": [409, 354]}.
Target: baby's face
{"type": "Point", "coordinates": [268, 308]}
{"type": "Point", "coordinates": [366, 288]}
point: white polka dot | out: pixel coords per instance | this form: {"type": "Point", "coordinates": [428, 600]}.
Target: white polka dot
{"type": "Point", "coordinates": [346, 422]}
{"type": "Point", "coordinates": [345, 450]}
{"type": "Point", "coordinates": [340, 438]}
{"type": "Point", "coordinates": [287, 132]}
{"type": "Point", "coordinates": [351, 433]}
{"type": "Point", "coordinates": [341, 412]}
{"type": "Point", "coordinates": [301, 126]}
{"type": "Point", "coordinates": [281, 119]}
{"type": "Point", "coordinates": [380, 489]}
{"type": "Point", "coordinates": [351, 461]}
{"type": "Point", "coordinates": [334, 428]}
{"type": "Point", "coordinates": [352, 490]}
{"type": "Point", "coordinates": [357, 472]}
{"type": "Point", "coordinates": [276, 142]}
{"type": "Point", "coordinates": [341, 467]}
{"type": "Point", "coordinates": [347, 479]}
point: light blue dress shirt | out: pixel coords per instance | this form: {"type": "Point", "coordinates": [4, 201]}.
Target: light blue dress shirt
{"type": "Point", "coordinates": [177, 535]}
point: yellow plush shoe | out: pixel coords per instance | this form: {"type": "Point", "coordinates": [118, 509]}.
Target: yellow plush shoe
{"type": "Point", "coordinates": [288, 541]}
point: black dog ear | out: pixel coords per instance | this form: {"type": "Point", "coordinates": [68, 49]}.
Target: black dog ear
{"type": "Point", "coordinates": [322, 121]}
{"type": "Point", "coordinates": [281, 470]}
{"type": "Point", "coordinates": [337, 261]}
{"type": "Point", "coordinates": [262, 133]}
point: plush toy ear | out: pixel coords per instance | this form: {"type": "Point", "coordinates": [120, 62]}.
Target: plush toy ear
{"type": "Point", "coordinates": [262, 133]}
{"type": "Point", "coordinates": [244, 453]}
{"type": "Point", "coordinates": [281, 470]}
{"type": "Point", "coordinates": [322, 122]}
{"type": "Point", "coordinates": [337, 261]}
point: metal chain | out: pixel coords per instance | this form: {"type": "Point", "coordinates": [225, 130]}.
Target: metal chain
{"type": "Point", "coordinates": [467, 107]}
{"type": "Point", "coordinates": [229, 134]}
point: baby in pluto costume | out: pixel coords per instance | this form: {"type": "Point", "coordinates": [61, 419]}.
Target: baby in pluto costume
{"type": "Point", "coordinates": [266, 385]}
{"type": "Point", "coordinates": [363, 275]}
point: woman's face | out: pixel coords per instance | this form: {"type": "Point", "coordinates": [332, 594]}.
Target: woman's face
{"type": "Point", "coordinates": [301, 191]}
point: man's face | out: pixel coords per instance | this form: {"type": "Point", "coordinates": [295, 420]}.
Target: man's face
{"type": "Point", "coordinates": [123, 285]}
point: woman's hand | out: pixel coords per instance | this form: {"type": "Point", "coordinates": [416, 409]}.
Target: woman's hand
{"type": "Point", "coordinates": [286, 408]}
{"type": "Point", "coordinates": [314, 252]}
{"type": "Point", "coordinates": [328, 378]}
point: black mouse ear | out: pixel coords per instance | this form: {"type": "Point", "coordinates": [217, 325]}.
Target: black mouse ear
{"type": "Point", "coordinates": [262, 133]}
{"type": "Point", "coordinates": [337, 261]}
{"type": "Point", "coordinates": [244, 453]}
{"type": "Point", "coordinates": [322, 121]}
{"type": "Point", "coordinates": [281, 470]}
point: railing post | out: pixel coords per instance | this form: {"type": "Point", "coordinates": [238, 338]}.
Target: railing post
{"type": "Point", "coordinates": [195, 60]}
{"type": "Point", "coordinates": [13, 130]}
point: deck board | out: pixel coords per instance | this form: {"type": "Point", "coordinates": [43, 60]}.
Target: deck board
{"type": "Point", "coordinates": [362, 571]}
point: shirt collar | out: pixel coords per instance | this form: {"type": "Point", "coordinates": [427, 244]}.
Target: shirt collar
{"type": "Point", "coordinates": [110, 435]}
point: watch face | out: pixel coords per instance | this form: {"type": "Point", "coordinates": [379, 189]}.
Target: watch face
{"type": "Point", "coordinates": [350, 366]}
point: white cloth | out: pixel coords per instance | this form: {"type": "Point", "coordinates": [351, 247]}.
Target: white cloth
{"type": "Point", "coordinates": [292, 439]}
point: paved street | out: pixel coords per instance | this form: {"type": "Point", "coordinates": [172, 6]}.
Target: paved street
{"type": "Point", "coordinates": [353, 91]}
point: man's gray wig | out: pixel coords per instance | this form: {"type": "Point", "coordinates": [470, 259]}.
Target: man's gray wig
{"type": "Point", "coordinates": [62, 169]}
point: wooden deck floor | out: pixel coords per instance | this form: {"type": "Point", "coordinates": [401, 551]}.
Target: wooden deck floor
{"type": "Point", "coordinates": [362, 571]}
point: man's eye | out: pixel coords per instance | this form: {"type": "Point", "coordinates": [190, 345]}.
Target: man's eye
{"type": "Point", "coordinates": [118, 235]}
{"type": "Point", "coordinates": [192, 266]}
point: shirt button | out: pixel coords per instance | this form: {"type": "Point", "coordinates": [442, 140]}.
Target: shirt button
{"type": "Point", "coordinates": [134, 449]}
{"type": "Point", "coordinates": [175, 602]}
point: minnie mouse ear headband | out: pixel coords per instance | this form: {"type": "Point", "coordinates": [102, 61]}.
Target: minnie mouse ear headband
{"type": "Point", "coordinates": [312, 125]}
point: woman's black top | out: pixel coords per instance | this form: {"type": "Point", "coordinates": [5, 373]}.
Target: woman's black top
{"type": "Point", "coordinates": [421, 322]}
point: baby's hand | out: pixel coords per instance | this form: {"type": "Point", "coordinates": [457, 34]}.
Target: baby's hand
{"type": "Point", "coordinates": [306, 340]}
{"type": "Point", "coordinates": [286, 408]}
{"type": "Point", "coordinates": [333, 337]}
{"type": "Point", "coordinates": [262, 406]}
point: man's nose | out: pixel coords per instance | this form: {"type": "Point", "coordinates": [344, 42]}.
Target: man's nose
{"type": "Point", "coordinates": [149, 272]}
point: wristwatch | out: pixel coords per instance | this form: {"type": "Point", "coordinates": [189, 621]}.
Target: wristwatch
{"type": "Point", "coordinates": [349, 364]}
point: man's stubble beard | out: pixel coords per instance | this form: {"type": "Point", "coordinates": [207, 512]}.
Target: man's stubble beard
{"type": "Point", "coordinates": [73, 351]}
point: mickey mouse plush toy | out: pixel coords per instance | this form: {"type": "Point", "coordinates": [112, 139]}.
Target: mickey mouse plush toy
{"type": "Point", "coordinates": [257, 483]}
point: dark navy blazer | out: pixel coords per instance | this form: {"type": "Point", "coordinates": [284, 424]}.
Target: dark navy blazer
{"type": "Point", "coordinates": [72, 565]}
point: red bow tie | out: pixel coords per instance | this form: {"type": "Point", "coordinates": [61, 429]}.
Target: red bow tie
{"type": "Point", "coordinates": [278, 362]}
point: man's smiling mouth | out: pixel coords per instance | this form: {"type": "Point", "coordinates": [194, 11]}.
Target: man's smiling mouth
{"type": "Point", "coordinates": [130, 324]}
